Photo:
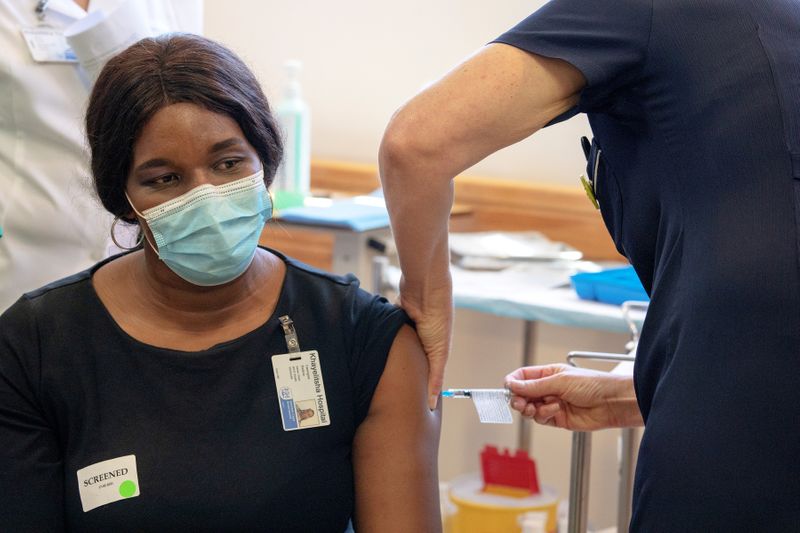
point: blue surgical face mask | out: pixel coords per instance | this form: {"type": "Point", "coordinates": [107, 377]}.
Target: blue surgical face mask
{"type": "Point", "coordinates": [209, 235]}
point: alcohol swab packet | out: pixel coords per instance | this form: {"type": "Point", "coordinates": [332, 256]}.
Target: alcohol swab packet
{"type": "Point", "coordinates": [491, 404]}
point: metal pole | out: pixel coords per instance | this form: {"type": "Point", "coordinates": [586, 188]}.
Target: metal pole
{"type": "Point", "coordinates": [528, 359]}
{"type": "Point", "coordinates": [626, 471]}
{"type": "Point", "coordinates": [579, 482]}
{"type": "Point", "coordinates": [581, 454]}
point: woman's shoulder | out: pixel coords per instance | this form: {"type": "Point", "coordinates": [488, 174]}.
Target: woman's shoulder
{"type": "Point", "coordinates": [59, 298]}
{"type": "Point", "coordinates": [62, 292]}
{"type": "Point", "coordinates": [37, 316]}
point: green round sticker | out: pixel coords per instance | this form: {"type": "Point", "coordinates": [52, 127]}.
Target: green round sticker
{"type": "Point", "coordinates": [127, 489]}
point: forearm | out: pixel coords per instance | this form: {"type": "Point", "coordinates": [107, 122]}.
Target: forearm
{"type": "Point", "coordinates": [419, 196]}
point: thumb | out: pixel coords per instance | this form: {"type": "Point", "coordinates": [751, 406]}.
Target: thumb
{"type": "Point", "coordinates": [535, 388]}
{"type": "Point", "coordinates": [435, 379]}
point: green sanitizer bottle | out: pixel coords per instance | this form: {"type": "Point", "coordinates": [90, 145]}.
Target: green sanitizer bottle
{"type": "Point", "coordinates": [292, 181]}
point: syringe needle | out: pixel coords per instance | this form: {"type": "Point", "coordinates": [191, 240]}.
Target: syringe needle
{"type": "Point", "coordinates": [456, 393]}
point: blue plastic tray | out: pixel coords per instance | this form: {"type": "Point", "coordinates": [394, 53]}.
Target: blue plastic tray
{"type": "Point", "coordinates": [612, 286]}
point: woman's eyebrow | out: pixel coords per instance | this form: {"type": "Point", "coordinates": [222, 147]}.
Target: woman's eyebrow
{"type": "Point", "coordinates": [227, 143]}
{"type": "Point", "coordinates": [153, 163]}
{"type": "Point", "coordinates": [216, 147]}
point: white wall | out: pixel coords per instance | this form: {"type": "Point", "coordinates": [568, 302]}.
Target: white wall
{"type": "Point", "coordinates": [363, 58]}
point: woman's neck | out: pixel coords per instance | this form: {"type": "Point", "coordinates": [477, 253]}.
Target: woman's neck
{"type": "Point", "coordinates": [170, 296]}
{"type": "Point", "coordinates": [151, 304]}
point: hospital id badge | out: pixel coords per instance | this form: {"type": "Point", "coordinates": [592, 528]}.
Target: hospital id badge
{"type": "Point", "coordinates": [48, 45]}
{"type": "Point", "coordinates": [301, 391]}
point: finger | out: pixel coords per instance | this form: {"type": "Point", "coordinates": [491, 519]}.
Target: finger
{"type": "Point", "coordinates": [515, 375]}
{"type": "Point", "coordinates": [560, 420]}
{"type": "Point", "coordinates": [518, 404]}
{"type": "Point", "coordinates": [540, 417]}
{"type": "Point", "coordinates": [535, 388]}
{"type": "Point", "coordinates": [529, 411]}
{"type": "Point", "coordinates": [549, 410]}
{"type": "Point", "coordinates": [547, 420]}
{"type": "Point", "coordinates": [537, 372]}
{"type": "Point", "coordinates": [435, 379]}
{"type": "Point", "coordinates": [525, 372]}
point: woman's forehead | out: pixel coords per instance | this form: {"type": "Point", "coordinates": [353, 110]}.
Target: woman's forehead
{"type": "Point", "coordinates": [183, 128]}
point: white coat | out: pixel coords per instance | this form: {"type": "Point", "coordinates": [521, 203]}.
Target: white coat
{"type": "Point", "coordinates": [52, 223]}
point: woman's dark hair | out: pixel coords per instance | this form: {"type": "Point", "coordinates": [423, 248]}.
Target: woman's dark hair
{"type": "Point", "coordinates": [170, 69]}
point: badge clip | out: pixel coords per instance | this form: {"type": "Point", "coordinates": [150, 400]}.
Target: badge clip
{"type": "Point", "coordinates": [590, 183]}
{"type": "Point", "coordinates": [587, 186]}
{"type": "Point", "coordinates": [41, 9]}
{"type": "Point", "coordinates": [292, 343]}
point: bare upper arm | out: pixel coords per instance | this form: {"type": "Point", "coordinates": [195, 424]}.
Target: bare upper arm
{"type": "Point", "coordinates": [395, 448]}
{"type": "Point", "coordinates": [495, 98]}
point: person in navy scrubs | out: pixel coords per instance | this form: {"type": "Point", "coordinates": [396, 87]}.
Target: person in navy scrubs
{"type": "Point", "coordinates": [695, 162]}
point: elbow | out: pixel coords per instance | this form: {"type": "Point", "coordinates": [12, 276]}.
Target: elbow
{"type": "Point", "coordinates": [411, 147]}
{"type": "Point", "coordinates": [398, 147]}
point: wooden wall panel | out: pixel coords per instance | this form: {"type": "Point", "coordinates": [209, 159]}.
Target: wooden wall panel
{"type": "Point", "coordinates": [562, 213]}
{"type": "Point", "coordinates": [313, 247]}
{"type": "Point", "coordinates": [347, 178]}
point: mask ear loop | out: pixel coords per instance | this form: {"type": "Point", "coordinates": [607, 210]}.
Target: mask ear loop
{"type": "Point", "coordinates": [141, 228]}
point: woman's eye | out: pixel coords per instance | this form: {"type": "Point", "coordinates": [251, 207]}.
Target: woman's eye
{"type": "Point", "coordinates": [166, 179]}
{"type": "Point", "coordinates": [229, 164]}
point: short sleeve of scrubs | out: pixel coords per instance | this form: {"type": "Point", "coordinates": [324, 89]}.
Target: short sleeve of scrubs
{"type": "Point", "coordinates": [605, 39]}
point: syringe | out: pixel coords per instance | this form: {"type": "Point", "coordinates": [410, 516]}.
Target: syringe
{"type": "Point", "coordinates": [491, 404]}
{"type": "Point", "coordinates": [467, 393]}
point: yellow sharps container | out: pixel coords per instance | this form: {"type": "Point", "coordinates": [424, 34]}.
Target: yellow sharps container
{"type": "Point", "coordinates": [497, 510]}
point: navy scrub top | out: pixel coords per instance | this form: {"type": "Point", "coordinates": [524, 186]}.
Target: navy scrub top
{"type": "Point", "coordinates": [695, 107]}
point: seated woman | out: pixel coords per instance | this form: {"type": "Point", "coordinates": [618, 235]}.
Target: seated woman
{"type": "Point", "coordinates": [164, 388]}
